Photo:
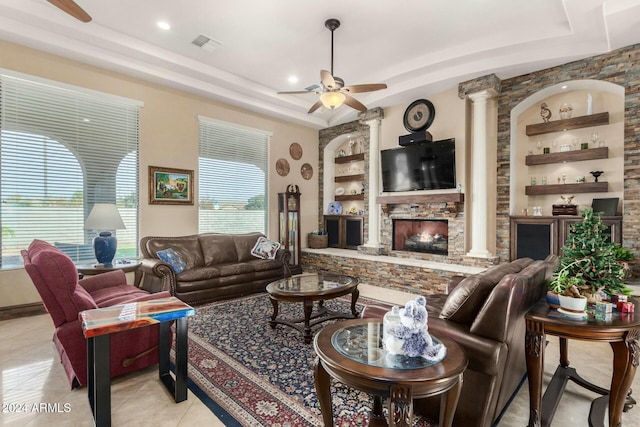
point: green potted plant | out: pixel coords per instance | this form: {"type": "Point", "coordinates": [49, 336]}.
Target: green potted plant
{"type": "Point", "coordinates": [589, 263]}
{"type": "Point", "coordinates": [624, 257]}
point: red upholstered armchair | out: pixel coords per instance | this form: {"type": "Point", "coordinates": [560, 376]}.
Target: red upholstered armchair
{"type": "Point", "coordinates": [64, 296]}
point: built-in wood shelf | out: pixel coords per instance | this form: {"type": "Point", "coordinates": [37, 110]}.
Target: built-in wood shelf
{"type": "Point", "coordinates": [567, 156]}
{"type": "Point", "coordinates": [349, 159]}
{"type": "Point", "coordinates": [451, 199]}
{"type": "Point", "coordinates": [567, 124]}
{"type": "Point", "coordinates": [421, 198]}
{"type": "Point", "coordinates": [347, 178]}
{"type": "Point", "coordinates": [349, 197]}
{"type": "Point", "coordinates": [581, 187]}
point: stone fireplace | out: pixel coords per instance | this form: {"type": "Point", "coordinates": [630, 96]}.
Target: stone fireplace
{"type": "Point", "coordinates": [421, 235]}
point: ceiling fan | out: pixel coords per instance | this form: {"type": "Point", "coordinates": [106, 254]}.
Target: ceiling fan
{"type": "Point", "coordinates": [72, 8]}
{"type": "Point", "coordinates": [333, 92]}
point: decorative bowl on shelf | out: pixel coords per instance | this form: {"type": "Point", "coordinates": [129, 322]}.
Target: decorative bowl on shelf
{"type": "Point", "coordinates": [339, 191]}
{"type": "Point", "coordinates": [567, 198]}
{"type": "Point", "coordinates": [566, 110]}
{"type": "Point", "coordinates": [596, 174]}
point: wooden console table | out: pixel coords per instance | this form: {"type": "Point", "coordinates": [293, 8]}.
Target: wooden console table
{"type": "Point", "coordinates": [621, 331]}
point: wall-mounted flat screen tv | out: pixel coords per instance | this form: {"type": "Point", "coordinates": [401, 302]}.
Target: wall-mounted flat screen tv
{"type": "Point", "coordinates": [425, 166]}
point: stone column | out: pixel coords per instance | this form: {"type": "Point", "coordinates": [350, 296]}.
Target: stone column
{"type": "Point", "coordinates": [479, 182]}
{"type": "Point", "coordinates": [374, 179]}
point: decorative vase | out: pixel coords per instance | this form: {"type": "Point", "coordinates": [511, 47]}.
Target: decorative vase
{"type": "Point", "coordinates": [391, 321]}
{"type": "Point", "coordinates": [572, 304]}
{"type": "Point", "coordinates": [552, 300]}
{"type": "Point", "coordinates": [105, 246]}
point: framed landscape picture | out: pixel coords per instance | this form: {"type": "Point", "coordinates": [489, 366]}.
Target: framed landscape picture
{"type": "Point", "coordinates": [168, 186]}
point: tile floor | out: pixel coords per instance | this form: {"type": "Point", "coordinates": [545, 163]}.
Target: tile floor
{"type": "Point", "coordinates": [30, 372]}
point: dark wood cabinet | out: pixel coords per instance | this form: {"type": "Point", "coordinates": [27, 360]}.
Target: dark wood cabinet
{"type": "Point", "coordinates": [344, 231]}
{"type": "Point", "coordinates": [539, 236]}
{"type": "Point", "coordinates": [533, 237]}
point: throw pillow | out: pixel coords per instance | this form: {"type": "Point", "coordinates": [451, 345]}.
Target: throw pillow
{"type": "Point", "coordinates": [172, 258]}
{"type": "Point", "coordinates": [265, 248]}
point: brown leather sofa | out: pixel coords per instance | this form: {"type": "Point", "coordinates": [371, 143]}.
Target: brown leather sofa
{"type": "Point", "coordinates": [218, 266]}
{"type": "Point", "coordinates": [484, 313]}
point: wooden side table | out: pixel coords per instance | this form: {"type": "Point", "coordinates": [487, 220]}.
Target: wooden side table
{"type": "Point", "coordinates": [621, 331]}
{"type": "Point", "coordinates": [127, 267]}
{"type": "Point", "coordinates": [99, 323]}
{"type": "Point", "coordinates": [373, 371]}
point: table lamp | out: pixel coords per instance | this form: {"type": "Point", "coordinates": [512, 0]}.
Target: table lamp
{"type": "Point", "coordinates": [104, 216]}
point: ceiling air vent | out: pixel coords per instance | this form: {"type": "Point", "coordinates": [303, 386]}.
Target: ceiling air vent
{"type": "Point", "coordinates": [206, 42]}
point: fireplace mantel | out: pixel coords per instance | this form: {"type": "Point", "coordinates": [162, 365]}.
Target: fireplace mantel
{"type": "Point", "coordinates": [451, 199]}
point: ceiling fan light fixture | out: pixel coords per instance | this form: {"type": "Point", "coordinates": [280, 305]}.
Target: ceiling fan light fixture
{"type": "Point", "coordinates": [332, 100]}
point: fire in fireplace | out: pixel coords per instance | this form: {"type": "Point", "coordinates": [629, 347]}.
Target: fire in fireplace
{"type": "Point", "coordinates": [421, 235]}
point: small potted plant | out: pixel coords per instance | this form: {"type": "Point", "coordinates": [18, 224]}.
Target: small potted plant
{"type": "Point", "coordinates": [624, 257]}
{"type": "Point", "coordinates": [588, 265]}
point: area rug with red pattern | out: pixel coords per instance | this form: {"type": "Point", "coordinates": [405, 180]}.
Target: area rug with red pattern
{"type": "Point", "coordinates": [253, 375]}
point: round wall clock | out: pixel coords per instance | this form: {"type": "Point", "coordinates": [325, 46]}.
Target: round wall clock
{"type": "Point", "coordinates": [419, 115]}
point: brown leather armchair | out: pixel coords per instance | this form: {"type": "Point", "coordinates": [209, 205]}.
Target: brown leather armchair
{"type": "Point", "coordinates": [484, 313]}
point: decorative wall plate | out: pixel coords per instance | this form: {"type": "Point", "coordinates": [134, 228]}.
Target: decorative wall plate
{"type": "Point", "coordinates": [306, 171]}
{"type": "Point", "coordinates": [295, 150]}
{"type": "Point", "coordinates": [419, 115]}
{"type": "Point", "coordinates": [335, 208]}
{"type": "Point", "coordinates": [282, 167]}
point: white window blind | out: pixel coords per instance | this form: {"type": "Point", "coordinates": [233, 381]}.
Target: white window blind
{"type": "Point", "coordinates": [63, 149]}
{"type": "Point", "coordinates": [232, 178]}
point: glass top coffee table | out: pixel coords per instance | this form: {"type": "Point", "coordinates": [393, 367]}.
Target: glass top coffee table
{"type": "Point", "coordinates": [352, 353]}
{"type": "Point", "coordinates": [307, 289]}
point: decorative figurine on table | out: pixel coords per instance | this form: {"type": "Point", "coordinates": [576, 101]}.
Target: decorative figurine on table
{"type": "Point", "coordinates": [406, 332]}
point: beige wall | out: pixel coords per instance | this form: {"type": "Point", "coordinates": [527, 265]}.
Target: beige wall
{"type": "Point", "coordinates": [168, 137]}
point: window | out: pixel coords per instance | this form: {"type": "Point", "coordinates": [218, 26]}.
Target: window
{"type": "Point", "coordinates": [63, 149]}
{"type": "Point", "coordinates": [232, 178]}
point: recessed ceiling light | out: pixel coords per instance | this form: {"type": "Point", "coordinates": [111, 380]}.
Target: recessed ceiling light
{"type": "Point", "coordinates": [164, 25]}
{"type": "Point", "coordinates": [293, 79]}
{"type": "Point", "coordinates": [564, 87]}
{"type": "Point", "coordinates": [86, 120]}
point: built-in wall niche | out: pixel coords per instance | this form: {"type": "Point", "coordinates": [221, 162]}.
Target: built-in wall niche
{"type": "Point", "coordinates": [548, 161]}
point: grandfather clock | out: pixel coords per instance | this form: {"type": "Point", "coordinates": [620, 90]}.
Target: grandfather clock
{"type": "Point", "coordinates": [289, 225]}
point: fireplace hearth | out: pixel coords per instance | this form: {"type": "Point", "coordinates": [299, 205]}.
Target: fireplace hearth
{"type": "Point", "coordinates": [421, 235]}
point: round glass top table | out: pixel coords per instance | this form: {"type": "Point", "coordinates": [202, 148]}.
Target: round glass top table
{"type": "Point", "coordinates": [352, 353]}
{"type": "Point", "coordinates": [620, 330]}
{"type": "Point", "coordinates": [308, 289]}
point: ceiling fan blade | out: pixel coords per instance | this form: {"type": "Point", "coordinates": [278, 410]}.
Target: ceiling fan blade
{"type": "Point", "coordinates": [354, 103]}
{"type": "Point", "coordinates": [364, 88]}
{"type": "Point", "coordinates": [327, 79]}
{"type": "Point", "coordinates": [72, 8]}
{"type": "Point", "coordinates": [314, 107]}
{"type": "Point", "coordinates": [297, 92]}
